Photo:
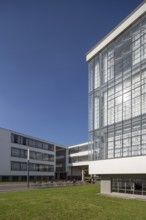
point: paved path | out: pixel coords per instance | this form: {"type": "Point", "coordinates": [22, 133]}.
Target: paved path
{"type": "Point", "coordinates": [126, 196]}
{"type": "Point", "coordinates": [23, 186]}
{"type": "Point", "coordinates": [14, 187]}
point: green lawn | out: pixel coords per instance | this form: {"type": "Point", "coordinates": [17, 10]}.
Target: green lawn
{"type": "Point", "coordinates": [77, 202]}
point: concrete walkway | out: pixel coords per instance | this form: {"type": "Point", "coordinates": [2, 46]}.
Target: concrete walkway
{"type": "Point", "coordinates": [125, 196]}
{"type": "Point", "coordinates": [14, 187]}
{"type": "Point", "coordinates": [37, 185]}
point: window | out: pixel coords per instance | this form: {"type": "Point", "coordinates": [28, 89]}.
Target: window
{"type": "Point", "coordinates": [96, 112]}
{"type": "Point", "coordinates": [51, 158]}
{"type": "Point", "coordinates": [126, 105]}
{"type": "Point", "coordinates": [110, 153]}
{"type": "Point", "coordinates": [144, 139]}
{"type": "Point", "coordinates": [50, 147]}
{"type": "Point", "coordinates": [32, 155]}
{"type": "Point", "coordinates": [23, 166]}
{"type": "Point", "coordinates": [91, 113]}
{"type": "Point", "coordinates": [138, 46]}
{"type": "Point", "coordinates": [110, 116]}
{"type": "Point", "coordinates": [143, 42]}
{"type": "Point", "coordinates": [31, 142]}
{"type": "Point", "coordinates": [136, 92]}
{"type": "Point", "coordinates": [143, 100]}
{"type": "Point", "coordinates": [45, 146]}
{"type": "Point", "coordinates": [118, 89]}
{"type": "Point", "coordinates": [143, 150]}
{"type": "Point", "coordinates": [111, 93]}
{"type": "Point", "coordinates": [104, 67]}
{"type": "Point", "coordinates": [127, 152]}
{"type": "Point", "coordinates": [110, 106]}
{"type": "Point", "coordinates": [23, 153]}
{"type": "Point", "coordinates": [110, 64]}
{"type": "Point", "coordinates": [127, 85]}
{"type": "Point", "coordinates": [143, 88]}
{"type": "Point", "coordinates": [96, 74]}
{"type": "Point", "coordinates": [118, 109]}
{"type": "Point", "coordinates": [127, 110]}
{"type": "Point", "coordinates": [39, 144]}
{"type": "Point", "coordinates": [73, 150]}
{"type": "Point", "coordinates": [15, 152]}
{"type": "Point", "coordinates": [118, 152]}
{"type": "Point", "coordinates": [90, 76]}
{"type": "Point", "coordinates": [15, 165]}
{"type": "Point", "coordinates": [83, 148]}
{"type": "Point", "coordinates": [136, 145]}
{"type": "Point", "coordinates": [38, 156]}
{"type": "Point", "coordinates": [14, 138]}
{"type": "Point", "coordinates": [127, 61]}
{"type": "Point", "coordinates": [110, 145]}
{"type": "Point", "coordinates": [121, 100]}
{"type": "Point", "coordinates": [143, 76]}
{"type": "Point", "coordinates": [105, 108]}
{"type": "Point", "coordinates": [136, 106]}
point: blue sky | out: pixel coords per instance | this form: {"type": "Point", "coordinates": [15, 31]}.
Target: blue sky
{"type": "Point", "coordinates": [43, 72]}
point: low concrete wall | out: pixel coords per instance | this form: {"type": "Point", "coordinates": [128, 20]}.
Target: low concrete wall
{"type": "Point", "coordinates": [105, 185]}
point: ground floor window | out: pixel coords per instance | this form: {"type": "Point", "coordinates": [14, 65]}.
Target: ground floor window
{"type": "Point", "coordinates": [129, 185]}
{"type": "Point", "coordinates": [5, 178]}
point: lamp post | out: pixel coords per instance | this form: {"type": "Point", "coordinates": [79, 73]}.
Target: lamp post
{"type": "Point", "coordinates": [28, 168]}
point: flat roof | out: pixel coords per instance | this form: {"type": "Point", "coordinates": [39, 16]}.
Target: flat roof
{"type": "Point", "coordinates": [139, 11]}
{"type": "Point", "coordinates": [78, 145]}
{"type": "Point", "coordinates": [32, 137]}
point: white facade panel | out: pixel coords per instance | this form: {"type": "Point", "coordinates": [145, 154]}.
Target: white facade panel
{"type": "Point", "coordinates": [5, 153]}
{"type": "Point", "coordinates": [84, 163]}
{"type": "Point", "coordinates": [130, 165]}
{"type": "Point", "coordinates": [82, 153]}
{"type": "Point", "coordinates": [78, 145]}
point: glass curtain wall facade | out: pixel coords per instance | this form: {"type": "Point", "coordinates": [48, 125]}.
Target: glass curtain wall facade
{"type": "Point", "coordinates": [129, 185]}
{"type": "Point", "coordinates": [117, 96]}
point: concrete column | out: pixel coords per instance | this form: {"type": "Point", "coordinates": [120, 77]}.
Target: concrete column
{"type": "Point", "coordinates": [19, 178]}
{"type": "Point", "coordinates": [83, 175]}
{"type": "Point", "coordinates": [58, 176]}
{"type": "Point", "coordinates": [10, 179]}
{"type": "Point", "coordinates": [105, 185]}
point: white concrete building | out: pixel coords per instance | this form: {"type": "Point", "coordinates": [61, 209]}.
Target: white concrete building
{"type": "Point", "coordinates": [78, 161]}
{"type": "Point", "coordinates": [47, 160]}
{"type": "Point", "coordinates": [13, 157]}
{"type": "Point", "coordinates": [117, 106]}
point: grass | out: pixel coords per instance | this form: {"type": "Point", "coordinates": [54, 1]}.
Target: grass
{"type": "Point", "coordinates": [68, 203]}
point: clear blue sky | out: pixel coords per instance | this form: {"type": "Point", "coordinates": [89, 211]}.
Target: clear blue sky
{"type": "Point", "coordinates": [43, 72]}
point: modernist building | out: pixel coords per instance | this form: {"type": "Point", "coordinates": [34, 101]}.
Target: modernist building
{"type": "Point", "coordinates": [61, 162]}
{"type": "Point", "coordinates": [47, 160]}
{"type": "Point", "coordinates": [13, 157]}
{"type": "Point", "coordinates": [117, 106]}
{"type": "Point", "coordinates": [78, 161]}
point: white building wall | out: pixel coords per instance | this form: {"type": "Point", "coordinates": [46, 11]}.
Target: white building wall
{"type": "Point", "coordinates": [129, 165]}
{"type": "Point", "coordinates": [5, 156]}
{"type": "Point", "coordinates": [75, 168]}
{"type": "Point", "coordinates": [5, 152]}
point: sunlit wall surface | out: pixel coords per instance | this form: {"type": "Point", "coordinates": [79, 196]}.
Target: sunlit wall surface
{"type": "Point", "coordinates": [117, 96]}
